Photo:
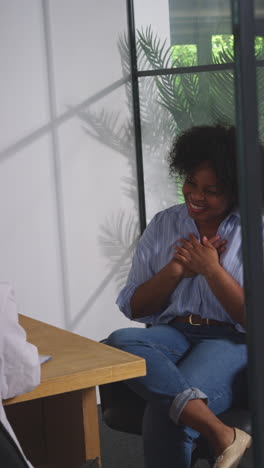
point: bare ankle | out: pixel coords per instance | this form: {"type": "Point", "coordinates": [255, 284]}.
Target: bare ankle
{"type": "Point", "coordinates": [222, 439]}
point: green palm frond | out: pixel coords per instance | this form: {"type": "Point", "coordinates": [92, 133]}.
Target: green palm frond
{"type": "Point", "coordinates": [158, 56]}
{"type": "Point", "coordinates": [156, 52]}
{"type": "Point", "coordinates": [182, 95]}
{"type": "Point", "coordinates": [221, 89]}
{"type": "Point", "coordinates": [224, 56]}
{"type": "Point", "coordinates": [222, 96]}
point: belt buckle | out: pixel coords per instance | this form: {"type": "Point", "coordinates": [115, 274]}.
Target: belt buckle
{"type": "Point", "coordinates": [196, 324]}
{"type": "Point", "coordinates": [191, 322]}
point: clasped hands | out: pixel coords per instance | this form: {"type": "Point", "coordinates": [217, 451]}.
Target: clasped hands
{"type": "Point", "coordinates": [194, 257]}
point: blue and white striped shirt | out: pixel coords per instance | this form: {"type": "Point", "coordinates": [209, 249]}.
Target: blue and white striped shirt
{"type": "Point", "coordinates": [155, 250]}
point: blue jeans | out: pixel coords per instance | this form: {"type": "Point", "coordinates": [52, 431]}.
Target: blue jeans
{"type": "Point", "coordinates": [184, 362]}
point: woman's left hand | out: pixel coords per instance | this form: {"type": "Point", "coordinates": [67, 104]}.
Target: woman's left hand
{"type": "Point", "coordinates": [198, 257]}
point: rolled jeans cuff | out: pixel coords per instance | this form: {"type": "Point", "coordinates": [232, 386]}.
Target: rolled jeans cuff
{"type": "Point", "coordinates": [181, 399]}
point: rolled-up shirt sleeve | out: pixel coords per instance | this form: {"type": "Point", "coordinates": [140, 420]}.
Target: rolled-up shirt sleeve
{"type": "Point", "coordinates": [20, 368]}
{"type": "Point", "coordinates": [141, 270]}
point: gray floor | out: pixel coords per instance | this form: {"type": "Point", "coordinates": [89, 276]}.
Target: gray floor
{"type": "Point", "coordinates": [120, 450]}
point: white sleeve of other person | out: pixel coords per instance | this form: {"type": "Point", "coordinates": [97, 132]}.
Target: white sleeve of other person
{"type": "Point", "coordinates": [19, 360]}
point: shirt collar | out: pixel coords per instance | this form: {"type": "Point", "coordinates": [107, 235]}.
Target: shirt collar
{"type": "Point", "coordinates": [230, 219]}
{"type": "Point", "coordinates": [185, 214]}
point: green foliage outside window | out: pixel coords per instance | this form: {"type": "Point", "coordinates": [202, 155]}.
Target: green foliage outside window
{"type": "Point", "coordinates": [222, 42]}
{"type": "Point", "coordinates": [225, 42]}
{"type": "Point", "coordinates": [186, 54]}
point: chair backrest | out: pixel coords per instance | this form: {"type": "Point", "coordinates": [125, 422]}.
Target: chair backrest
{"type": "Point", "coordinates": [122, 409]}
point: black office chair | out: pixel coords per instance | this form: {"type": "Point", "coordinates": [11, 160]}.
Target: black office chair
{"type": "Point", "coordinates": [123, 410]}
{"type": "Point", "coordinates": [10, 454]}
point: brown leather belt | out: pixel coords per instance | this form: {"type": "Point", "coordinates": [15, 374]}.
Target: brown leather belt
{"type": "Point", "coordinates": [196, 320]}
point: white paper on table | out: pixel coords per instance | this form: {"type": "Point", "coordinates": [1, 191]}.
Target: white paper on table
{"type": "Point", "coordinates": [43, 358]}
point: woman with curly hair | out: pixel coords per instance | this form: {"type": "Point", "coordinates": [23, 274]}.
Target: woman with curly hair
{"type": "Point", "coordinates": [186, 281]}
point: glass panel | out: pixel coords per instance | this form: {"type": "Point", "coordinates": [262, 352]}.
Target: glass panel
{"type": "Point", "coordinates": [259, 10]}
{"type": "Point", "coordinates": [158, 129]}
{"type": "Point", "coordinates": [260, 95]}
{"type": "Point", "coordinates": [177, 102]}
{"type": "Point", "coordinates": [183, 33]}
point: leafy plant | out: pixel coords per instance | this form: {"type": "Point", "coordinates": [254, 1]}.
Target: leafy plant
{"type": "Point", "coordinates": [197, 98]}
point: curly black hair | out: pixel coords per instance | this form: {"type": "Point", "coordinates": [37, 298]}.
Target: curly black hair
{"type": "Point", "coordinates": [215, 144]}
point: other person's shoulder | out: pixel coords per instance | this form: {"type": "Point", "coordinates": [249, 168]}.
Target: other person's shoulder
{"type": "Point", "coordinates": [6, 292]}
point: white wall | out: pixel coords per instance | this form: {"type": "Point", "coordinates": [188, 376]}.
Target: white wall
{"type": "Point", "coordinates": [68, 203]}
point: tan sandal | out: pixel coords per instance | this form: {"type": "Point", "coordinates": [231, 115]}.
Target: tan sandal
{"type": "Point", "coordinates": [232, 455]}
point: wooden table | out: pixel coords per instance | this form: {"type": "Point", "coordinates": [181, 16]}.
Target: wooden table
{"type": "Point", "coordinates": [60, 415]}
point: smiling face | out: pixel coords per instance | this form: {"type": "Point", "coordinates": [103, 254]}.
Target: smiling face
{"type": "Point", "coordinates": [205, 198]}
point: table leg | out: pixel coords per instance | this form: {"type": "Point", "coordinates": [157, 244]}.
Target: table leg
{"type": "Point", "coordinates": [91, 425]}
{"type": "Point", "coordinates": [63, 429]}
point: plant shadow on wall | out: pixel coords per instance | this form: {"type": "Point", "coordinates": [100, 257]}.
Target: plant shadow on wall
{"type": "Point", "coordinates": [169, 104]}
